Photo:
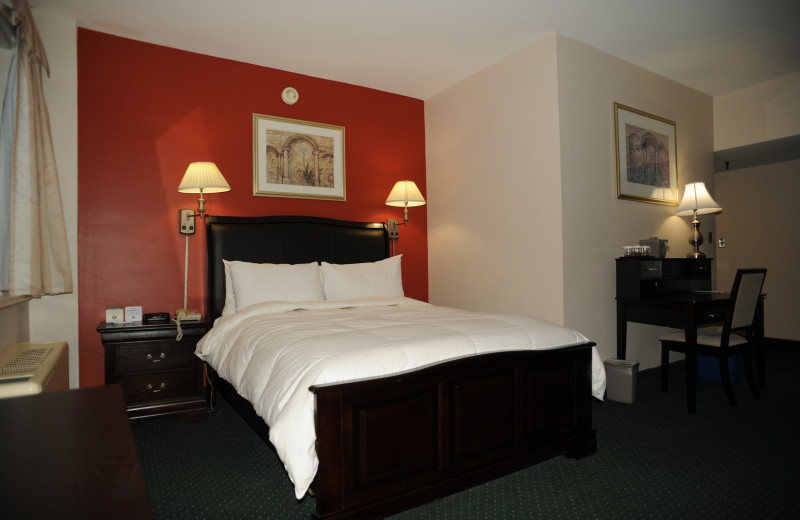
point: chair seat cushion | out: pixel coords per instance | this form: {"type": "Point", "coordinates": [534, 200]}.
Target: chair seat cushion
{"type": "Point", "coordinates": [709, 338]}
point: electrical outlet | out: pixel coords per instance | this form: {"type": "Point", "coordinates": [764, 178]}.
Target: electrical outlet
{"type": "Point", "coordinates": [393, 227]}
{"type": "Point", "coordinates": [186, 222]}
{"type": "Point", "coordinates": [721, 243]}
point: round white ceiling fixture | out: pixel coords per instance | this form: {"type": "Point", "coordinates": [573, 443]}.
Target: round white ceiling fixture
{"type": "Point", "coordinates": [290, 96]}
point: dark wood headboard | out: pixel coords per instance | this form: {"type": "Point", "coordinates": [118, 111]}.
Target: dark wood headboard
{"type": "Point", "coordinates": [286, 240]}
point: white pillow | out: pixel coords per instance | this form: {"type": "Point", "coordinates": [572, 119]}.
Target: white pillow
{"type": "Point", "coordinates": [347, 281]}
{"type": "Point", "coordinates": [230, 304]}
{"type": "Point", "coordinates": [256, 283]}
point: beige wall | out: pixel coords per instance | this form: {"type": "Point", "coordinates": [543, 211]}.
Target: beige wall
{"type": "Point", "coordinates": [494, 203]}
{"type": "Point", "coordinates": [761, 226]}
{"type": "Point", "coordinates": [14, 326]}
{"type": "Point", "coordinates": [56, 317]}
{"type": "Point", "coordinates": [763, 112]}
{"type": "Point", "coordinates": [596, 224]}
{"type": "Point", "coordinates": [760, 213]}
{"type": "Point", "coordinates": [520, 137]}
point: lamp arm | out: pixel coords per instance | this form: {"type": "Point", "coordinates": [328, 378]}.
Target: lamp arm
{"type": "Point", "coordinates": [201, 204]}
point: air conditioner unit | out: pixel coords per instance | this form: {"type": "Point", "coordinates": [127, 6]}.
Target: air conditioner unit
{"type": "Point", "coordinates": [31, 368]}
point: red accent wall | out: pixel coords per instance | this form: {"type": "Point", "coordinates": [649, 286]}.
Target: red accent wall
{"type": "Point", "coordinates": [145, 112]}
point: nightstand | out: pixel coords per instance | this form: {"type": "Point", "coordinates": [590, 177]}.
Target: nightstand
{"type": "Point", "coordinates": [158, 374]}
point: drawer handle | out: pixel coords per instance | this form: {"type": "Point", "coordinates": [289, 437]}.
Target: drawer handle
{"type": "Point", "coordinates": [155, 360]}
{"type": "Point", "coordinates": [154, 390]}
{"type": "Point", "coordinates": [651, 269]}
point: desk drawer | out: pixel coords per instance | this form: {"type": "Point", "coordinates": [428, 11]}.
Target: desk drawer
{"type": "Point", "coordinates": [651, 269]}
{"type": "Point", "coordinates": [700, 268]}
{"type": "Point", "coordinates": [711, 315]}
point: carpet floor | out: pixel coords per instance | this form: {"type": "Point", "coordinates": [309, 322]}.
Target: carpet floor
{"type": "Point", "coordinates": [653, 461]}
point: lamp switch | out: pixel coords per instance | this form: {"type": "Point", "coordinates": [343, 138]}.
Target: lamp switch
{"type": "Point", "coordinates": [186, 221]}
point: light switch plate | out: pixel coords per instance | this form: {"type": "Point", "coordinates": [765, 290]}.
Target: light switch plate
{"type": "Point", "coordinates": [186, 221]}
{"type": "Point", "coordinates": [393, 227]}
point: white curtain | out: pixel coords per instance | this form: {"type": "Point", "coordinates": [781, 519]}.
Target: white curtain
{"type": "Point", "coordinates": [33, 238]}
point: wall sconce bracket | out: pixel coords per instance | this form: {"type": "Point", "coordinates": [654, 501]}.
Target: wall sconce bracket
{"type": "Point", "coordinates": [186, 222]}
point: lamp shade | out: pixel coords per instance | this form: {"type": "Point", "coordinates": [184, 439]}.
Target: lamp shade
{"type": "Point", "coordinates": [203, 177]}
{"type": "Point", "coordinates": [697, 198]}
{"type": "Point", "coordinates": [405, 193]}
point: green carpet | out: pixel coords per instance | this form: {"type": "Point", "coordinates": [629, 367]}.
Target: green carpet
{"type": "Point", "coordinates": [654, 460]}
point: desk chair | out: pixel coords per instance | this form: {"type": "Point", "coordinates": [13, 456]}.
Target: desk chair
{"type": "Point", "coordinates": [711, 342]}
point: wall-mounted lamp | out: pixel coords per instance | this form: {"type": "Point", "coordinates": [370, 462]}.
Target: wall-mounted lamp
{"type": "Point", "coordinates": [696, 201]}
{"type": "Point", "coordinates": [405, 194]}
{"type": "Point", "coordinates": [200, 177]}
{"type": "Point", "coordinates": [203, 177]}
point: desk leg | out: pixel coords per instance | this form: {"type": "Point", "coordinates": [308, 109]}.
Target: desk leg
{"type": "Point", "coordinates": [622, 330]}
{"type": "Point", "coordinates": [758, 347]}
{"type": "Point", "coordinates": [691, 381]}
{"type": "Point", "coordinates": [690, 338]}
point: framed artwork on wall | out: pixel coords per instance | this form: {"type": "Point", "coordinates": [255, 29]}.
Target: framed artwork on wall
{"type": "Point", "coordinates": [647, 166]}
{"type": "Point", "coordinates": [298, 159]}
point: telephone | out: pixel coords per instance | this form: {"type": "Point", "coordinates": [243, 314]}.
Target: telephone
{"type": "Point", "coordinates": [187, 315]}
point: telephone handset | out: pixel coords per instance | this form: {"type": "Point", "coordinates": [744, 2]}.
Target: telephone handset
{"type": "Point", "coordinates": [187, 315]}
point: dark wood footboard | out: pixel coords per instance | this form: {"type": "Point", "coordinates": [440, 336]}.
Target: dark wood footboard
{"type": "Point", "coordinates": [392, 443]}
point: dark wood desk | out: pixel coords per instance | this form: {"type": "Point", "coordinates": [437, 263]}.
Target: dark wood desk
{"type": "Point", "coordinates": [674, 292]}
{"type": "Point", "coordinates": [681, 311]}
{"type": "Point", "coordinates": [70, 454]}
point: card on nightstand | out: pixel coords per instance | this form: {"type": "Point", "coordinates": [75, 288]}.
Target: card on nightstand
{"type": "Point", "coordinates": [133, 314]}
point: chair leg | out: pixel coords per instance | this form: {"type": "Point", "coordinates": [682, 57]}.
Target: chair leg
{"type": "Point", "coordinates": [750, 373]}
{"type": "Point", "coordinates": [691, 382]}
{"type": "Point", "coordinates": [664, 367]}
{"type": "Point", "coordinates": [725, 374]}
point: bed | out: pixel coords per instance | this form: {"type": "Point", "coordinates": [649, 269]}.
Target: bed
{"type": "Point", "coordinates": [413, 432]}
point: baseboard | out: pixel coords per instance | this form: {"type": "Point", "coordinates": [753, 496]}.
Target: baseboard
{"type": "Point", "coordinates": [781, 344]}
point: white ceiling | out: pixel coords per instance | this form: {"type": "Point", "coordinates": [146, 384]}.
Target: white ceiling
{"type": "Point", "coordinates": [418, 48]}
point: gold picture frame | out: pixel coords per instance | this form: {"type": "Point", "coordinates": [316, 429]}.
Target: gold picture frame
{"type": "Point", "coordinates": [646, 153]}
{"type": "Point", "coordinates": [297, 159]}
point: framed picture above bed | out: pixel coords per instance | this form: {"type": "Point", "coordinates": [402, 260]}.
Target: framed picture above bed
{"type": "Point", "coordinates": [647, 167]}
{"type": "Point", "coordinates": [299, 159]}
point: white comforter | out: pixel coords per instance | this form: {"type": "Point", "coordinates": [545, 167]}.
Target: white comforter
{"type": "Point", "coordinates": [273, 352]}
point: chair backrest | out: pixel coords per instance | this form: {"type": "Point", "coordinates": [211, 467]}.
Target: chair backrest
{"type": "Point", "coordinates": [745, 294]}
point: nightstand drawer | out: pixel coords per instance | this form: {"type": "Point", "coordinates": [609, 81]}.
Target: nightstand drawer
{"type": "Point", "coordinates": [158, 386]}
{"type": "Point", "coordinates": [146, 357]}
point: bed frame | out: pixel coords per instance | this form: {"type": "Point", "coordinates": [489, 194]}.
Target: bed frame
{"type": "Point", "coordinates": [393, 443]}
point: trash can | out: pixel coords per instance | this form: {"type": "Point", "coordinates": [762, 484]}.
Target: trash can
{"type": "Point", "coordinates": [708, 368]}
{"type": "Point", "coordinates": [621, 376]}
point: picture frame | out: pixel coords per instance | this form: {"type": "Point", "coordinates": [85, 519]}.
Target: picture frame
{"type": "Point", "coordinates": [647, 158]}
{"type": "Point", "coordinates": [297, 159]}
